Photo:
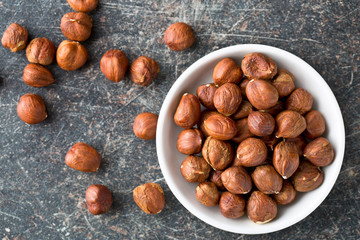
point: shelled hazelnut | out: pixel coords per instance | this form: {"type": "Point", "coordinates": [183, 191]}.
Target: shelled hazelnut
{"type": "Point", "coordinates": [299, 100]}
{"type": "Point", "coordinates": [150, 198]}
{"type": "Point", "coordinates": [98, 199]}
{"type": "Point", "coordinates": [76, 26]}
{"type": "Point", "coordinates": [284, 82]}
{"type": "Point", "coordinates": [41, 50]}
{"type": "Point", "coordinates": [36, 75]}
{"type": "Point", "coordinates": [83, 5]}
{"type": "Point", "coordinates": [232, 205]}
{"type": "Point", "coordinates": [206, 93]}
{"type": "Point", "coordinates": [143, 70]}
{"type": "Point", "coordinates": [195, 169]}
{"type": "Point", "coordinates": [31, 109]}
{"type": "Point", "coordinates": [217, 153]}
{"type": "Point", "coordinates": [71, 55]}
{"type": "Point", "coordinates": [144, 126]}
{"type": "Point", "coordinates": [15, 37]}
{"type": "Point", "coordinates": [227, 71]}
{"type": "Point", "coordinates": [227, 98]}
{"type": "Point", "coordinates": [188, 111]}
{"type": "Point", "coordinates": [114, 65]}
{"type": "Point", "coordinates": [207, 194]}
{"type": "Point", "coordinates": [83, 157]}
{"type": "Point", "coordinates": [259, 66]}
{"type": "Point", "coordinates": [261, 208]}
{"type": "Point", "coordinates": [261, 94]}
{"type": "Point", "coordinates": [179, 36]}
{"type": "Point", "coordinates": [319, 152]}
{"type": "Point", "coordinates": [286, 195]}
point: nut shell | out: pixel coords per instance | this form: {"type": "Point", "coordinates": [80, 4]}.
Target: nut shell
{"type": "Point", "coordinates": [236, 180]}
{"type": "Point", "coordinates": [261, 94]}
{"type": "Point", "coordinates": [286, 159]}
{"type": "Point", "coordinates": [179, 36]}
{"type": "Point", "coordinates": [188, 111]}
{"type": "Point", "coordinates": [218, 154]}
{"type": "Point", "coordinates": [315, 124]}
{"type": "Point", "coordinates": [98, 199]}
{"type": "Point", "coordinates": [250, 153]}
{"type": "Point", "coordinates": [190, 141]}
{"type": "Point", "coordinates": [83, 5]}
{"type": "Point", "coordinates": [284, 82]}
{"type": "Point", "coordinates": [267, 180]}
{"type": "Point", "coordinates": [145, 125]}
{"type": "Point", "coordinates": [144, 70]}
{"type": "Point", "coordinates": [290, 124]}
{"type": "Point", "coordinates": [71, 55]}
{"type": "Point", "coordinates": [232, 205]}
{"type": "Point", "coordinates": [220, 127]}
{"type": "Point", "coordinates": [15, 37]}
{"type": "Point", "coordinates": [195, 169]}
{"type": "Point", "coordinates": [36, 75]}
{"type": "Point", "coordinates": [227, 71]}
{"type": "Point", "coordinates": [308, 177]}
{"type": "Point", "coordinates": [243, 131]}
{"type": "Point", "coordinates": [258, 65]}
{"type": "Point", "coordinates": [319, 152]}
{"type": "Point", "coordinates": [261, 208]}
{"type": "Point", "coordinates": [83, 157]}
{"type": "Point", "coordinates": [299, 100]}
{"type": "Point", "coordinates": [207, 194]}
{"type": "Point", "coordinates": [206, 94]}
{"type": "Point", "coordinates": [41, 50]}
{"type": "Point", "coordinates": [114, 65]}
{"type": "Point", "coordinates": [227, 98]}
{"type": "Point", "coordinates": [261, 124]}
{"type": "Point", "coordinates": [150, 198]}
{"type": "Point", "coordinates": [31, 109]}
{"type": "Point", "coordinates": [286, 195]}
{"type": "Point", "coordinates": [76, 26]}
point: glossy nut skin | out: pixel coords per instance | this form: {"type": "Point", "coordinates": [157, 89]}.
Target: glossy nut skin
{"type": "Point", "coordinates": [36, 75]}
{"type": "Point", "coordinates": [195, 169]}
{"type": "Point", "coordinates": [98, 199]}
{"type": "Point", "coordinates": [220, 127]}
{"type": "Point", "coordinates": [207, 194]}
{"type": "Point", "coordinates": [299, 100]}
{"type": "Point", "coordinates": [83, 5]}
{"type": "Point", "coordinates": [261, 208]}
{"type": "Point", "coordinates": [144, 126]}
{"type": "Point", "coordinates": [232, 205]}
{"type": "Point", "coordinates": [244, 82]}
{"type": "Point", "coordinates": [319, 152]}
{"type": "Point", "coordinates": [250, 153]}
{"type": "Point", "coordinates": [315, 124]}
{"type": "Point", "coordinates": [261, 124]}
{"type": "Point", "coordinates": [243, 111]}
{"type": "Point", "coordinates": [83, 157]}
{"type": "Point", "coordinates": [76, 26]}
{"type": "Point", "coordinates": [286, 195]}
{"type": "Point", "coordinates": [31, 109]}
{"type": "Point", "coordinates": [290, 124]}
{"type": "Point", "coordinates": [190, 141]}
{"type": "Point", "coordinates": [114, 65]}
{"type": "Point", "coordinates": [227, 98]}
{"type": "Point", "coordinates": [41, 50]}
{"type": "Point", "coordinates": [299, 142]}
{"type": "Point", "coordinates": [201, 124]}
{"type": "Point", "coordinates": [308, 177]}
{"type": "Point", "coordinates": [227, 71]}
{"type": "Point", "coordinates": [150, 198]}
{"type": "Point", "coordinates": [71, 55]}
{"type": "Point", "coordinates": [259, 66]}
{"type": "Point", "coordinates": [284, 82]}
{"type": "Point", "coordinates": [236, 180]}
{"type": "Point", "coordinates": [275, 110]}
{"type": "Point", "coordinates": [206, 93]}
{"type": "Point", "coordinates": [15, 37]}
{"type": "Point", "coordinates": [286, 159]}
{"type": "Point", "coordinates": [261, 94]}
{"type": "Point", "coordinates": [266, 179]}
{"type": "Point", "coordinates": [243, 131]}
{"type": "Point", "coordinates": [215, 177]}
{"type": "Point", "coordinates": [143, 70]}
{"type": "Point", "coordinates": [188, 111]}
{"type": "Point", "coordinates": [179, 36]}
{"type": "Point", "coordinates": [218, 154]}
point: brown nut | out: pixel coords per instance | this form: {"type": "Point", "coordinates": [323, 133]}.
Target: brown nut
{"type": "Point", "coordinates": [114, 65]}
{"type": "Point", "coordinates": [286, 159]}
{"type": "Point", "coordinates": [83, 157]}
{"type": "Point", "coordinates": [218, 154]}
{"type": "Point", "coordinates": [188, 111]}
{"type": "Point", "coordinates": [243, 131]}
{"type": "Point", "coordinates": [299, 100]}
{"type": "Point", "coordinates": [250, 153]}
{"type": "Point", "coordinates": [15, 37]}
{"type": "Point", "coordinates": [299, 142]}
{"type": "Point", "coordinates": [71, 55]}
{"type": "Point", "coordinates": [150, 198]}
{"type": "Point", "coordinates": [98, 199]}
{"type": "Point", "coordinates": [307, 177]}
{"type": "Point", "coordinates": [31, 109]}
{"type": "Point", "coordinates": [227, 98]}
{"type": "Point", "coordinates": [206, 94]}
{"type": "Point", "coordinates": [232, 205]}
{"type": "Point", "coordinates": [315, 124]}
{"type": "Point", "coordinates": [220, 127]}
{"type": "Point", "coordinates": [76, 26]}
{"type": "Point", "coordinates": [286, 195]}
{"type": "Point", "coordinates": [257, 65]}
{"type": "Point", "coordinates": [319, 152]}
{"type": "Point", "coordinates": [83, 5]}
{"type": "Point", "coordinates": [215, 177]}
{"type": "Point", "coordinates": [275, 110]}
{"type": "Point", "coordinates": [190, 141]}
{"type": "Point", "coordinates": [201, 124]}
{"type": "Point", "coordinates": [270, 141]}
{"type": "Point", "coordinates": [261, 124]}
{"type": "Point", "coordinates": [36, 75]}
{"type": "Point", "coordinates": [244, 82]}
{"type": "Point", "coordinates": [227, 71]}
{"type": "Point", "coordinates": [290, 124]}
{"type": "Point", "coordinates": [145, 125]}
{"type": "Point", "coordinates": [261, 208]}
{"type": "Point", "coordinates": [207, 194]}
{"type": "Point", "coordinates": [41, 50]}
{"type": "Point", "coordinates": [236, 180]}
{"type": "Point", "coordinates": [195, 169]}
{"type": "Point", "coordinates": [284, 82]}
{"type": "Point", "coordinates": [179, 36]}
{"type": "Point", "coordinates": [144, 70]}
{"type": "Point", "coordinates": [266, 179]}
{"type": "Point", "coordinates": [243, 111]}
{"type": "Point", "coordinates": [261, 94]}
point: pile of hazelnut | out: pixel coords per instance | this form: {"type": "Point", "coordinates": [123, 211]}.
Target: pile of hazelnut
{"type": "Point", "coordinates": [259, 139]}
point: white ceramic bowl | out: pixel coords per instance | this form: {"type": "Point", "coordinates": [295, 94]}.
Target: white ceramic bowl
{"type": "Point", "coordinates": [170, 159]}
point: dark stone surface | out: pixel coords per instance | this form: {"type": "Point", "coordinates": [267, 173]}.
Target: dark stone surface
{"type": "Point", "coordinates": [41, 198]}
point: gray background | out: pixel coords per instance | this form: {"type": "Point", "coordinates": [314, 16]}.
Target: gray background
{"type": "Point", "coordinates": [41, 198]}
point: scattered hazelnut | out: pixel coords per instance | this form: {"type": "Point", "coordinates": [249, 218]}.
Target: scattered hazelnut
{"type": "Point", "coordinates": [259, 66]}
{"type": "Point", "coordinates": [144, 70]}
{"type": "Point", "coordinates": [261, 124]}
{"type": "Point", "coordinates": [31, 109]}
{"type": "Point", "coordinates": [315, 124]}
{"type": "Point", "coordinates": [207, 194]}
{"type": "Point", "coordinates": [218, 154]}
{"type": "Point", "coordinates": [232, 205]}
{"type": "Point", "coordinates": [284, 82]}
{"type": "Point", "coordinates": [307, 177]}
{"type": "Point", "coordinates": [206, 94]}
{"type": "Point", "coordinates": [243, 111]}
{"type": "Point", "coordinates": [201, 124]}
{"type": "Point", "coordinates": [275, 110]}
{"type": "Point", "coordinates": [290, 124]}
{"type": "Point", "coordinates": [250, 153]}
{"type": "Point", "coordinates": [266, 179]}
{"type": "Point", "coordinates": [83, 5]}
{"type": "Point", "coordinates": [220, 127]}
{"type": "Point", "coordinates": [179, 36]}
{"type": "Point", "coordinates": [76, 26]}
{"type": "Point", "coordinates": [145, 125]}
{"type": "Point", "coordinates": [261, 94]}
{"type": "Point", "coordinates": [270, 141]}
{"type": "Point", "coordinates": [114, 65]}
{"type": "Point", "coordinates": [188, 111]}
{"type": "Point", "coordinates": [286, 159]}
{"type": "Point", "coordinates": [319, 152]}
{"type": "Point", "coordinates": [71, 55]}
{"type": "Point", "coordinates": [41, 50]}
{"type": "Point", "coordinates": [190, 141]}
{"type": "Point", "coordinates": [244, 82]}
{"type": "Point", "coordinates": [243, 131]}
{"type": "Point", "coordinates": [299, 100]}
{"type": "Point", "coordinates": [215, 177]}
{"type": "Point", "coordinates": [261, 208]}
{"type": "Point", "coordinates": [195, 169]}
{"type": "Point", "coordinates": [227, 98]}
{"type": "Point", "coordinates": [15, 37]}
{"type": "Point", "coordinates": [236, 180]}
{"type": "Point", "coordinates": [227, 71]}
{"type": "Point", "coordinates": [83, 157]}
{"type": "Point", "coordinates": [150, 198]}
{"type": "Point", "coordinates": [36, 75]}
{"type": "Point", "coordinates": [98, 199]}
{"type": "Point", "coordinates": [286, 195]}
{"type": "Point", "coordinates": [299, 142]}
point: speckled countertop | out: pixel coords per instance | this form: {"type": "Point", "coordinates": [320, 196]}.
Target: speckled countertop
{"type": "Point", "coordinates": [42, 198]}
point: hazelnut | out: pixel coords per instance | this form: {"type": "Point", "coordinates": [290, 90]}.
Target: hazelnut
{"type": "Point", "coordinates": [319, 152]}
{"type": "Point", "coordinates": [83, 5]}
{"type": "Point", "coordinates": [179, 36]}
{"type": "Point", "coordinates": [299, 100]}
{"type": "Point", "coordinates": [207, 194]}
{"type": "Point", "coordinates": [144, 70]}
{"type": "Point", "coordinates": [195, 169]}
{"type": "Point", "coordinates": [270, 141]}
{"type": "Point", "coordinates": [215, 177]}
{"type": "Point", "coordinates": [220, 127]}
{"type": "Point", "coordinates": [114, 65]}
{"type": "Point", "coordinates": [76, 26]}
{"type": "Point", "coordinates": [31, 109]}
{"type": "Point", "coordinates": [244, 82]}
{"type": "Point", "coordinates": [188, 111]}
{"type": "Point", "coordinates": [243, 131]}
{"type": "Point", "coordinates": [275, 110]}
{"type": "Point", "coordinates": [307, 177]}
{"type": "Point", "coordinates": [201, 124]}
{"type": "Point", "coordinates": [145, 125]}
{"type": "Point", "coordinates": [258, 65]}
{"type": "Point", "coordinates": [261, 208]}
{"type": "Point", "coordinates": [83, 157]}
{"type": "Point", "coordinates": [98, 199]}
{"type": "Point", "coordinates": [290, 124]}
{"type": "Point", "coordinates": [150, 198]}
{"type": "Point", "coordinates": [15, 37]}
{"type": "Point", "coordinates": [236, 180]}
{"type": "Point", "coordinates": [219, 154]}
{"type": "Point", "coordinates": [243, 111]}
{"type": "Point", "coordinates": [227, 71]}
{"type": "Point", "coordinates": [71, 55]}
{"type": "Point", "coordinates": [227, 98]}
{"type": "Point", "coordinates": [286, 159]}
{"type": "Point", "coordinates": [36, 75]}
{"type": "Point", "coordinates": [190, 141]}
{"type": "Point", "coordinates": [206, 94]}
{"type": "Point", "coordinates": [299, 142]}
{"type": "Point", "coordinates": [284, 82]}
{"type": "Point", "coordinates": [261, 124]}
{"type": "Point", "coordinates": [266, 179]}
{"type": "Point", "coordinates": [41, 50]}
{"type": "Point", "coordinates": [286, 195]}
{"type": "Point", "coordinates": [261, 94]}
{"type": "Point", "coordinates": [250, 153]}
{"type": "Point", "coordinates": [315, 124]}
{"type": "Point", "coordinates": [232, 205]}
